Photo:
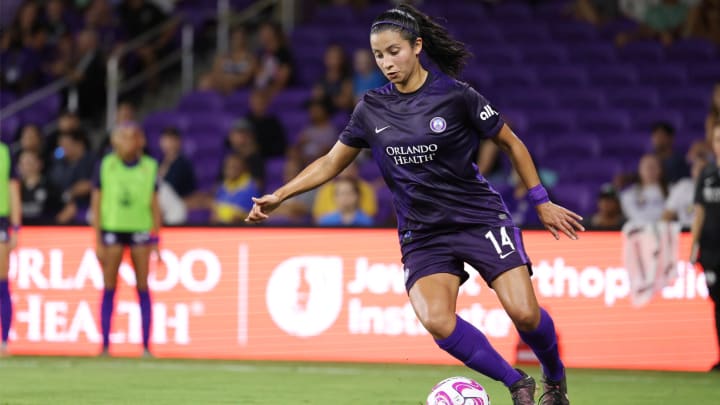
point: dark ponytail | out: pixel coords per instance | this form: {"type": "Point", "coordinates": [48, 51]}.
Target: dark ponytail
{"type": "Point", "coordinates": [448, 53]}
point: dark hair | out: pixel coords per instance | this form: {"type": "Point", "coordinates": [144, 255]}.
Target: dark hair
{"type": "Point", "coordinates": [449, 54]}
{"type": "Point", "coordinates": [172, 132]}
{"type": "Point", "coordinates": [665, 127]}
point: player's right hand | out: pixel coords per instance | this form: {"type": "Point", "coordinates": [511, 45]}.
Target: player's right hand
{"type": "Point", "coordinates": [262, 207]}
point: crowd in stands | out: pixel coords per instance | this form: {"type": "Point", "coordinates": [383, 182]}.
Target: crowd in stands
{"type": "Point", "coordinates": [53, 39]}
{"type": "Point", "coordinates": [258, 150]}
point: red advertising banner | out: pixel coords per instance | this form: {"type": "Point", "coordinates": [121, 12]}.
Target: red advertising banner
{"type": "Point", "coordinates": [338, 295]}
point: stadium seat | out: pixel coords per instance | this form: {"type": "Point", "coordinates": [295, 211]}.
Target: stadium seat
{"type": "Point", "coordinates": [632, 98]}
{"type": "Point", "coordinates": [550, 122]}
{"type": "Point", "coordinates": [200, 101]}
{"type": "Point", "coordinates": [576, 197]}
{"type": "Point", "coordinates": [562, 77]}
{"type": "Point", "coordinates": [642, 52]}
{"type": "Point", "coordinates": [579, 98]}
{"type": "Point", "coordinates": [9, 128]}
{"type": "Point", "coordinates": [593, 54]}
{"type": "Point", "coordinates": [571, 146]}
{"type": "Point", "coordinates": [542, 55]}
{"type": "Point", "coordinates": [613, 75]}
{"type": "Point", "coordinates": [662, 76]}
{"type": "Point", "coordinates": [604, 121]}
{"type": "Point", "coordinates": [692, 51]}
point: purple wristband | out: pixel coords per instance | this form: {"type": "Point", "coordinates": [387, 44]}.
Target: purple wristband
{"type": "Point", "coordinates": [154, 239]}
{"type": "Point", "coordinates": [538, 195]}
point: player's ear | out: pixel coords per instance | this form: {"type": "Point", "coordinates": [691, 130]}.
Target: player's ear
{"type": "Point", "coordinates": [417, 46]}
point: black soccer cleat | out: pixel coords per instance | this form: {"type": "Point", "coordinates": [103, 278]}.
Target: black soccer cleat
{"type": "Point", "coordinates": [555, 392]}
{"type": "Point", "coordinates": [523, 391]}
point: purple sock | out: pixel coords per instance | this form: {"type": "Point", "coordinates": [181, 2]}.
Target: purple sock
{"type": "Point", "coordinates": [543, 342]}
{"type": "Point", "coordinates": [5, 309]}
{"type": "Point", "coordinates": [470, 346]}
{"type": "Point", "coordinates": [146, 315]}
{"type": "Point", "coordinates": [106, 311]}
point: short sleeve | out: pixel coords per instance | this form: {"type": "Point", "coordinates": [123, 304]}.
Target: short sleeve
{"type": "Point", "coordinates": [483, 116]}
{"type": "Point", "coordinates": [354, 133]}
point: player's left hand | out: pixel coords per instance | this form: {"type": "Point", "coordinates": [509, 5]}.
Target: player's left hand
{"type": "Point", "coordinates": [559, 219]}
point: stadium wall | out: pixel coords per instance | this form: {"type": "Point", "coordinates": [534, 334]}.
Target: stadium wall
{"type": "Point", "coordinates": [338, 295]}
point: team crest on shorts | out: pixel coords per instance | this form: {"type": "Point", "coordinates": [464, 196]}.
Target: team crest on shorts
{"type": "Point", "coordinates": [438, 124]}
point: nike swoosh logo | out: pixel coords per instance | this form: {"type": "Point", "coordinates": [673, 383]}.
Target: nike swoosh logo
{"type": "Point", "coordinates": [377, 131]}
{"type": "Point", "coordinates": [506, 254]}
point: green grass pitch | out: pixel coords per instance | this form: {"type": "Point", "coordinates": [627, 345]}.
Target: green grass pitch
{"type": "Point", "coordinates": [60, 380]}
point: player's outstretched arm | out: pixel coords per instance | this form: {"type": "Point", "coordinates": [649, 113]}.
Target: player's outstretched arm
{"type": "Point", "coordinates": [695, 230]}
{"type": "Point", "coordinates": [15, 212]}
{"type": "Point", "coordinates": [555, 218]}
{"type": "Point", "coordinates": [317, 173]}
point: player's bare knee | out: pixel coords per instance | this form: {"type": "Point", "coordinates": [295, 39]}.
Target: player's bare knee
{"type": "Point", "coordinates": [525, 319]}
{"type": "Point", "coordinates": [439, 324]}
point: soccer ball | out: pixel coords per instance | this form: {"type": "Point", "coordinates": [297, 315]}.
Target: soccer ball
{"type": "Point", "coordinates": [458, 391]}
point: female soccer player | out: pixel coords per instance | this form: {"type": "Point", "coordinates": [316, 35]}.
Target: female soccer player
{"type": "Point", "coordinates": [423, 129]}
{"type": "Point", "coordinates": [126, 213]}
{"type": "Point", "coordinates": [706, 229]}
{"type": "Point", "coordinates": [10, 217]}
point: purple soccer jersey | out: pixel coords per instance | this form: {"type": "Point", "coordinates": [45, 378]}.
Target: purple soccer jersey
{"type": "Point", "coordinates": [425, 144]}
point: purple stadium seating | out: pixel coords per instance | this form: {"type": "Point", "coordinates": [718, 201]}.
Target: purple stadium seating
{"type": "Point", "coordinates": [604, 122]}
{"type": "Point", "coordinates": [579, 99]}
{"type": "Point", "coordinates": [633, 98]}
{"type": "Point", "coordinates": [692, 51]}
{"type": "Point", "coordinates": [573, 33]}
{"type": "Point", "coordinates": [200, 101]}
{"type": "Point", "coordinates": [9, 128]}
{"type": "Point", "coordinates": [549, 54]}
{"type": "Point", "coordinates": [642, 121]}
{"type": "Point", "coordinates": [562, 77]}
{"type": "Point", "coordinates": [571, 146]}
{"type": "Point", "coordinates": [593, 54]}
{"type": "Point", "coordinates": [550, 122]}
{"type": "Point", "coordinates": [626, 146]}
{"type": "Point", "coordinates": [662, 76]}
{"type": "Point", "coordinates": [576, 197]}
{"type": "Point", "coordinates": [686, 98]}
{"type": "Point", "coordinates": [642, 52]}
{"type": "Point", "coordinates": [704, 74]}
{"type": "Point", "coordinates": [613, 75]}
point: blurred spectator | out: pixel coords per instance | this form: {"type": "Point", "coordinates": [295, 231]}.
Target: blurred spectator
{"type": "Point", "coordinates": [40, 201]}
{"type": "Point", "coordinates": [336, 86]}
{"type": "Point", "coordinates": [325, 202]}
{"type": "Point", "coordinates": [269, 131]}
{"type": "Point", "coordinates": [100, 18]}
{"type": "Point", "coordinates": [275, 66]}
{"type": "Point", "coordinates": [663, 20]}
{"type": "Point", "coordinates": [61, 21]}
{"type": "Point", "coordinates": [242, 141]}
{"type": "Point", "coordinates": [175, 168]}
{"type": "Point", "coordinates": [88, 75]}
{"type": "Point", "coordinates": [317, 138]}
{"type": "Point", "coordinates": [177, 179]}
{"type": "Point", "coordinates": [233, 197]}
{"type": "Point", "coordinates": [680, 204]}
{"type": "Point", "coordinates": [490, 165]}
{"type": "Point", "coordinates": [704, 21]}
{"type": "Point", "coordinates": [644, 201]}
{"type": "Point", "coordinates": [71, 174]}
{"type": "Point", "coordinates": [595, 12]}
{"type": "Point", "coordinates": [366, 74]}
{"type": "Point", "coordinates": [295, 210]}
{"type": "Point", "coordinates": [347, 200]}
{"type": "Point", "coordinates": [674, 166]}
{"type": "Point", "coordinates": [609, 215]}
{"type": "Point", "coordinates": [20, 62]}
{"type": "Point", "coordinates": [713, 117]}
{"type": "Point", "coordinates": [234, 70]}
{"type": "Point", "coordinates": [67, 122]}
{"type": "Point", "coordinates": [124, 114]}
{"type": "Point", "coordinates": [31, 140]}
{"type": "Point", "coordinates": [139, 16]}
